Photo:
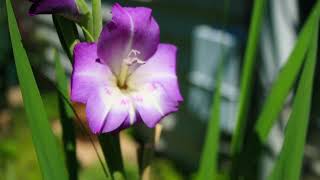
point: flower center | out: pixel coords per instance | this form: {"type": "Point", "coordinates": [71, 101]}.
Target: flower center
{"type": "Point", "coordinates": [130, 60]}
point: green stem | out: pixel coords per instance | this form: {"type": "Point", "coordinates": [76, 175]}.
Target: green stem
{"type": "Point", "coordinates": [97, 18]}
{"type": "Point", "coordinates": [110, 144]}
{"type": "Point", "coordinates": [146, 152]}
{"type": "Point", "coordinates": [85, 20]}
{"type": "Point", "coordinates": [67, 32]}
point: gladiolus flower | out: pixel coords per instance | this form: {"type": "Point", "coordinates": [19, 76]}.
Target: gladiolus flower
{"type": "Point", "coordinates": [66, 8]}
{"type": "Point", "coordinates": [127, 76]}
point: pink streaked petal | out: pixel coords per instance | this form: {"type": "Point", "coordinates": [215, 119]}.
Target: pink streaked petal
{"type": "Point", "coordinates": [106, 110]}
{"type": "Point", "coordinates": [160, 68]}
{"type": "Point", "coordinates": [87, 72]}
{"type": "Point", "coordinates": [130, 29]}
{"type": "Point", "coordinates": [152, 103]}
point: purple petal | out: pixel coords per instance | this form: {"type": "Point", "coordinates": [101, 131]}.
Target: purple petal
{"type": "Point", "coordinates": [130, 29]}
{"type": "Point", "coordinates": [106, 109]}
{"type": "Point", "coordinates": [160, 68]}
{"type": "Point", "coordinates": [127, 123]}
{"type": "Point", "coordinates": [87, 72]}
{"type": "Point", "coordinates": [64, 7]}
{"type": "Point", "coordinates": [152, 104]}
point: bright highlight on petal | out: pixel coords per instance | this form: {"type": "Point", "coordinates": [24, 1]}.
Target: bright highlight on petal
{"type": "Point", "coordinates": [106, 109]}
{"type": "Point", "coordinates": [87, 72]}
{"type": "Point", "coordinates": [161, 68]}
{"type": "Point", "coordinates": [153, 103]}
{"type": "Point", "coordinates": [126, 77]}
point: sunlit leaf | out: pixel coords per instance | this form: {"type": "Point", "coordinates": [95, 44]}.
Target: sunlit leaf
{"type": "Point", "coordinates": [286, 78]}
{"type": "Point", "coordinates": [289, 162]}
{"type": "Point", "coordinates": [49, 154]}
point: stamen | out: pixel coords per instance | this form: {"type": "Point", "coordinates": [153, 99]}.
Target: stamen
{"type": "Point", "coordinates": [128, 61]}
{"type": "Point", "coordinates": [132, 58]}
{"type": "Point", "coordinates": [134, 51]}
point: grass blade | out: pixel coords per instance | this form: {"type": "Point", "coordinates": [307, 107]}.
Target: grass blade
{"type": "Point", "coordinates": [289, 163]}
{"type": "Point", "coordinates": [208, 166]}
{"type": "Point", "coordinates": [247, 76]}
{"type": "Point", "coordinates": [209, 156]}
{"type": "Point", "coordinates": [66, 118]}
{"type": "Point", "coordinates": [82, 127]}
{"type": "Point", "coordinates": [286, 78]}
{"type": "Point", "coordinates": [49, 155]}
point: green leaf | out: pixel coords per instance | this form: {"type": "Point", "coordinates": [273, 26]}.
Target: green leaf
{"type": "Point", "coordinates": [209, 156]}
{"type": "Point", "coordinates": [247, 76]}
{"type": "Point", "coordinates": [49, 155]}
{"type": "Point", "coordinates": [289, 163]}
{"type": "Point", "coordinates": [286, 78]}
{"type": "Point", "coordinates": [66, 118]}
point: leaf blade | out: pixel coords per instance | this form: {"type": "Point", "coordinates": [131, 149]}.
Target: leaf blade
{"type": "Point", "coordinates": [289, 163]}
{"type": "Point", "coordinates": [285, 80]}
{"type": "Point", "coordinates": [247, 76]}
{"type": "Point", "coordinates": [66, 119]}
{"type": "Point", "coordinates": [49, 155]}
{"type": "Point", "coordinates": [209, 156]}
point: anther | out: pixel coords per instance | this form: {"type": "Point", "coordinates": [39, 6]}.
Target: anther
{"type": "Point", "coordinates": [132, 60]}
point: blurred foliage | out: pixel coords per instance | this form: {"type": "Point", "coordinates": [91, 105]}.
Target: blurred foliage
{"type": "Point", "coordinates": [20, 160]}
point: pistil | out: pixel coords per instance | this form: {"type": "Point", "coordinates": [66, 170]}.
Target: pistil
{"type": "Point", "coordinates": [123, 75]}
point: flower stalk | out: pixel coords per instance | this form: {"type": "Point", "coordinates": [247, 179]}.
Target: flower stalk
{"type": "Point", "coordinates": [97, 18]}
{"type": "Point", "coordinates": [146, 153]}
{"type": "Point", "coordinates": [110, 144]}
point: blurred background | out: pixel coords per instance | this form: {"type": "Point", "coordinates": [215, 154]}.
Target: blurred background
{"type": "Point", "coordinates": [202, 30]}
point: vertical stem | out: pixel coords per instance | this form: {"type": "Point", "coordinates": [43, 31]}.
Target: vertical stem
{"type": "Point", "coordinates": [97, 18]}
{"type": "Point", "coordinates": [86, 19]}
{"type": "Point", "coordinates": [146, 152]}
{"type": "Point", "coordinates": [88, 25]}
{"type": "Point", "coordinates": [67, 33]}
{"type": "Point", "coordinates": [110, 144]}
